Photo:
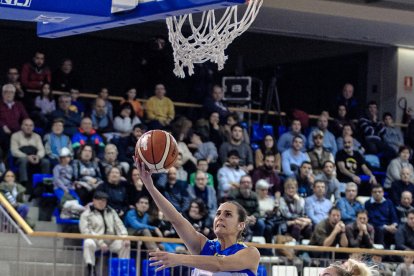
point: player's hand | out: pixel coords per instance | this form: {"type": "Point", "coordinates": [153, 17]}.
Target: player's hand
{"type": "Point", "coordinates": [144, 174]}
{"type": "Point", "coordinates": [164, 259]}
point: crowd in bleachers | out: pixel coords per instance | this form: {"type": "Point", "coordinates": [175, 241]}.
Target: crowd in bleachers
{"type": "Point", "coordinates": [348, 180]}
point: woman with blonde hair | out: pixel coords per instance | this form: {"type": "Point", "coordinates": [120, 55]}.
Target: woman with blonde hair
{"type": "Point", "coordinates": [349, 268]}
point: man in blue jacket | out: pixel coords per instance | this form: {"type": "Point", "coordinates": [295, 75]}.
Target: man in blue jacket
{"type": "Point", "coordinates": [137, 222]}
{"type": "Point", "coordinates": [382, 216]}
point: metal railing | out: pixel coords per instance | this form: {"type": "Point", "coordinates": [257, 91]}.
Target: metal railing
{"type": "Point", "coordinates": [55, 257]}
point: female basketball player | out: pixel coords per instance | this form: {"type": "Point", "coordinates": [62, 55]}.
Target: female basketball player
{"type": "Point", "coordinates": [349, 268]}
{"type": "Point", "coordinates": [225, 254]}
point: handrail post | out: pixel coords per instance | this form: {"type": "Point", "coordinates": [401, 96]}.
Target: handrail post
{"type": "Point", "coordinates": [54, 255]}
{"type": "Point", "coordinates": [138, 258]}
{"type": "Point", "coordinates": [18, 256]}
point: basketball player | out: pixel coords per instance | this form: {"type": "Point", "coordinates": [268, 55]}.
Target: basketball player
{"type": "Point", "coordinates": [349, 268]}
{"type": "Point", "coordinates": [225, 254]}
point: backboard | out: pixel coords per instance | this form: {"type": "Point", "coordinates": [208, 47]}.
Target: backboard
{"type": "Point", "coordinates": [59, 18]}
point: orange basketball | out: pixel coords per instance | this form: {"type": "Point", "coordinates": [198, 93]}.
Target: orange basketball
{"type": "Point", "coordinates": [157, 149]}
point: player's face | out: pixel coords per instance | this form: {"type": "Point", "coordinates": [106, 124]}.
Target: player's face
{"type": "Point", "coordinates": [328, 272]}
{"type": "Point", "coordinates": [226, 220]}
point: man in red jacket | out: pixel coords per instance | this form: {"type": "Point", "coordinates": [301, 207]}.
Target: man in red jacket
{"type": "Point", "coordinates": [36, 73]}
{"type": "Point", "coordinates": [11, 115]}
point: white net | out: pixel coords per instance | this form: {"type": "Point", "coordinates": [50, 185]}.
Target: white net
{"type": "Point", "coordinates": [210, 38]}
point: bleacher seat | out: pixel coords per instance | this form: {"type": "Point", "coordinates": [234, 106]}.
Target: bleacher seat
{"type": "Point", "coordinates": [282, 129]}
{"type": "Point", "coordinates": [59, 220]}
{"type": "Point", "coordinates": [259, 131]}
{"type": "Point", "coordinates": [39, 178]}
{"type": "Point", "coordinates": [284, 270]}
{"type": "Point", "coordinates": [362, 199]}
{"type": "Point", "coordinates": [312, 271]}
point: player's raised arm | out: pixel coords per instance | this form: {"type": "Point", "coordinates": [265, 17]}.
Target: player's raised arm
{"type": "Point", "coordinates": [192, 239]}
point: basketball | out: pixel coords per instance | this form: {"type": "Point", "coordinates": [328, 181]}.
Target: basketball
{"type": "Point", "coordinates": [157, 149]}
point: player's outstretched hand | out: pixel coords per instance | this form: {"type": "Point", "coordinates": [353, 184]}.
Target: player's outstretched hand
{"type": "Point", "coordinates": [163, 260]}
{"type": "Point", "coordinates": [144, 174]}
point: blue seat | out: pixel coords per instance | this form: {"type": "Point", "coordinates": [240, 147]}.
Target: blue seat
{"type": "Point", "coordinates": [60, 220]}
{"type": "Point", "coordinates": [122, 267]}
{"type": "Point", "coordinates": [282, 129]}
{"type": "Point", "coordinates": [38, 178]}
{"type": "Point", "coordinates": [259, 131]}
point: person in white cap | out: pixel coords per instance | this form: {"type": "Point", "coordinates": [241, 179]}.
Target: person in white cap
{"type": "Point", "coordinates": [63, 175]}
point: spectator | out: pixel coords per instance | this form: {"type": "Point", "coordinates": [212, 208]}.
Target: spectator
{"type": "Point", "coordinates": [211, 128]}
{"type": "Point", "coordinates": [233, 119]}
{"type": "Point", "coordinates": [395, 166]}
{"type": "Point", "coordinates": [55, 141]}
{"type": "Point", "coordinates": [63, 176]}
{"type": "Point", "coordinates": [286, 139]}
{"type": "Point", "coordinates": [404, 238]}
{"type": "Point", "coordinates": [305, 179]}
{"type": "Point", "coordinates": [28, 150]}
{"type": "Point", "coordinates": [348, 130]}
{"type": "Point", "coordinates": [117, 190]}
{"type": "Point", "coordinates": [393, 136]}
{"type": "Point", "coordinates": [249, 200]}
{"type": "Point", "coordinates": [400, 186]}
{"type": "Point", "coordinates": [341, 119]}
{"type": "Point", "coordinates": [136, 188]}
{"type": "Point", "coordinates": [268, 172]}
{"type": "Point", "coordinates": [266, 202]}
{"type": "Point", "coordinates": [230, 174]}
{"type": "Point", "coordinates": [204, 192]}
{"type": "Point", "coordinates": [64, 78]}
{"type": "Point", "coordinates": [86, 174]}
{"type": "Point", "coordinates": [214, 103]}
{"type": "Point", "coordinates": [203, 149]}
{"type": "Point", "coordinates": [236, 143]}
{"type": "Point", "coordinates": [318, 155]}
{"type": "Point", "coordinates": [125, 120]}
{"type": "Point", "coordinates": [267, 146]}
{"type": "Point", "coordinates": [202, 165]}
{"type": "Point", "coordinates": [405, 206]}
{"type": "Point", "coordinates": [100, 219]}
{"type": "Point", "coordinates": [360, 233]}
{"type": "Point", "coordinates": [104, 95]}
{"type": "Point", "coordinates": [329, 176]}
{"type": "Point", "coordinates": [292, 208]}
{"type": "Point", "coordinates": [160, 109]}
{"type": "Point", "coordinates": [126, 145]}
{"type": "Point", "coordinates": [77, 105]}
{"type": "Point", "coordinates": [11, 115]}
{"type": "Point", "coordinates": [176, 191]}
{"type": "Point", "coordinates": [46, 105]}
{"type": "Point", "coordinates": [329, 141]}
{"type": "Point", "coordinates": [71, 119]}
{"type": "Point", "coordinates": [198, 217]}
{"type": "Point", "coordinates": [348, 205]}
{"type": "Point", "coordinates": [293, 158]}
{"type": "Point", "coordinates": [330, 231]}
{"type": "Point", "coordinates": [382, 215]}
{"type": "Point", "coordinates": [131, 98]}
{"type": "Point", "coordinates": [406, 268]}
{"type": "Point", "coordinates": [13, 77]}
{"type": "Point", "coordinates": [373, 130]}
{"type": "Point", "coordinates": [101, 121]}
{"type": "Point", "coordinates": [87, 135]}
{"type": "Point", "coordinates": [14, 193]}
{"type": "Point", "coordinates": [138, 220]}
{"type": "Point", "coordinates": [316, 205]}
{"type": "Point", "coordinates": [182, 174]}
{"type": "Point", "coordinates": [36, 73]}
{"type": "Point", "coordinates": [111, 160]}
{"type": "Point", "coordinates": [351, 165]}
{"type": "Point", "coordinates": [348, 100]}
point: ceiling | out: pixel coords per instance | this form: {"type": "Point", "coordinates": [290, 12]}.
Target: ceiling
{"type": "Point", "coordinates": [369, 22]}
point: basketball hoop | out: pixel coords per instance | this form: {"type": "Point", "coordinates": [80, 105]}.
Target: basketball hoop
{"type": "Point", "coordinates": [209, 39]}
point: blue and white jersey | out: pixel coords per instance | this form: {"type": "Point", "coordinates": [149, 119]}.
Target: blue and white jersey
{"type": "Point", "coordinates": [213, 248]}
